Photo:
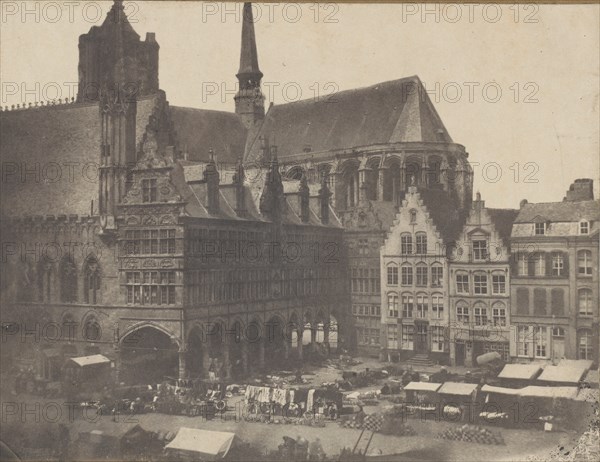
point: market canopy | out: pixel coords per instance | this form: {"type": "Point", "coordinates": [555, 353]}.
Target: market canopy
{"type": "Point", "coordinates": [520, 371]}
{"type": "Point", "coordinates": [566, 374]}
{"type": "Point", "coordinates": [499, 390]}
{"type": "Point", "coordinates": [422, 386]}
{"type": "Point", "coordinates": [548, 392]}
{"type": "Point", "coordinates": [583, 363]}
{"type": "Point", "coordinates": [592, 378]}
{"type": "Point", "coordinates": [90, 360]}
{"type": "Point", "coordinates": [457, 388]}
{"type": "Point", "coordinates": [208, 445]}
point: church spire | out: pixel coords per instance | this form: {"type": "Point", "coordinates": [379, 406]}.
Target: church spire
{"type": "Point", "coordinates": [249, 101]}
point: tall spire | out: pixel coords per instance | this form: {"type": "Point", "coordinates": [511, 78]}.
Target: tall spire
{"type": "Point", "coordinates": [249, 74]}
{"type": "Point", "coordinates": [249, 101]}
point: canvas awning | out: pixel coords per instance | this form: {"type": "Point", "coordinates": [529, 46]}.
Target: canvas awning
{"type": "Point", "coordinates": [583, 363]}
{"type": "Point", "coordinates": [83, 361]}
{"type": "Point", "coordinates": [422, 386]}
{"type": "Point", "coordinates": [548, 392]}
{"type": "Point", "coordinates": [208, 445]}
{"type": "Point", "coordinates": [457, 388]}
{"type": "Point", "coordinates": [499, 390]}
{"type": "Point", "coordinates": [565, 374]}
{"type": "Point", "coordinates": [520, 371]}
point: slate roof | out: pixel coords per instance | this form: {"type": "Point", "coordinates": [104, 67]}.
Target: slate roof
{"type": "Point", "coordinates": [443, 209]}
{"type": "Point", "coordinates": [199, 130]}
{"type": "Point", "coordinates": [388, 112]}
{"type": "Point", "coordinates": [566, 211]}
{"type": "Point", "coordinates": [503, 220]}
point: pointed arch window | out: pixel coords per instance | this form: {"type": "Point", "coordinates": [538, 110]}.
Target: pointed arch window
{"type": "Point", "coordinates": [68, 281]}
{"type": "Point", "coordinates": [45, 278]}
{"type": "Point", "coordinates": [92, 281]}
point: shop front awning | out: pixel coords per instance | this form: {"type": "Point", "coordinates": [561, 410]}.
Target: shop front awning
{"type": "Point", "coordinates": [422, 386]}
{"type": "Point", "coordinates": [205, 444]}
{"type": "Point", "coordinates": [562, 374]}
{"type": "Point", "coordinates": [457, 388]}
{"type": "Point", "coordinates": [520, 371]}
{"type": "Point", "coordinates": [92, 360]}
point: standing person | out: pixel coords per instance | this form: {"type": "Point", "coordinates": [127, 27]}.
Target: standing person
{"type": "Point", "coordinates": [315, 451]}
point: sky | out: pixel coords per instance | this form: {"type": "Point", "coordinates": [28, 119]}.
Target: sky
{"type": "Point", "coordinates": [518, 86]}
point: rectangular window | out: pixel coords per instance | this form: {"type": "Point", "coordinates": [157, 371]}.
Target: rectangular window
{"type": "Point", "coordinates": [421, 243]}
{"type": "Point", "coordinates": [392, 306]}
{"type": "Point", "coordinates": [407, 337]}
{"type": "Point", "coordinates": [462, 283]}
{"type": "Point", "coordinates": [406, 244]}
{"type": "Point", "coordinates": [480, 315]}
{"type": "Point", "coordinates": [407, 276]}
{"type": "Point", "coordinates": [498, 284]}
{"type": "Point", "coordinates": [422, 276]}
{"type": "Point", "coordinates": [480, 284]}
{"type": "Point", "coordinates": [540, 340]}
{"type": "Point", "coordinates": [363, 246]}
{"type": "Point", "coordinates": [149, 190]}
{"type": "Point", "coordinates": [540, 228]}
{"type": "Point", "coordinates": [437, 338]}
{"type": "Point", "coordinates": [501, 348]}
{"type": "Point", "coordinates": [392, 275]}
{"type": "Point", "coordinates": [392, 336]}
{"type": "Point", "coordinates": [523, 265]}
{"type": "Point", "coordinates": [539, 265]}
{"type": "Point", "coordinates": [422, 306]}
{"type": "Point", "coordinates": [499, 316]}
{"type": "Point", "coordinates": [149, 241]}
{"type": "Point", "coordinates": [437, 276]}
{"type": "Point", "coordinates": [462, 314]}
{"type": "Point", "coordinates": [150, 287]}
{"type": "Point", "coordinates": [407, 306]}
{"type": "Point", "coordinates": [480, 250]}
{"type": "Point", "coordinates": [523, 340]}
{"type": "Point", "coordinates": [558, 265]}
{"type": "Point", "coordinates": [437, 307]}
{"type": "Point", "coordinates": [584, 263]}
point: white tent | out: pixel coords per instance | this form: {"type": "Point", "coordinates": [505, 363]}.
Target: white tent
{"type": "Point", "coordinates": [205, 444]}
{"type": "Point", "coordinates": [90, 360]}
{"type": "Point", "coordinates": [422, 386]}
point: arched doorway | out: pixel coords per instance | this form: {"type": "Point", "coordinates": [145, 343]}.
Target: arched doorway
{"type": "Point", "coordinates": [148, 355]}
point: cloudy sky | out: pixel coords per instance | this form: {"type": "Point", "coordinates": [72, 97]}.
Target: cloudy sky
{"type": "Point", "coordinates": [517, 85]}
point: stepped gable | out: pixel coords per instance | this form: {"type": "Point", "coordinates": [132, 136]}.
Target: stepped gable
{"type": "Point", "coordinates": [445, 212]}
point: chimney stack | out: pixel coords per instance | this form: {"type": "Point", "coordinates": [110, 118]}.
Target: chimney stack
{"type": "Point", "coordinates": [581, 190]}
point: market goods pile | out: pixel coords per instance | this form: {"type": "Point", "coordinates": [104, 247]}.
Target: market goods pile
{"type": "Point", "coordinates": [472, 434]}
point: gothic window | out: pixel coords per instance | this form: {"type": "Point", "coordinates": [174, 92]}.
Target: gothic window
{"type": "Point", "coordinates": [437, 275]}
{"type": "Point", "coordinates": [406, 244]}
{"type": "Point", "coordinates": [462, 283]}
{"type": "Point", "coordinates": [421, 243]}
{"type": "Point", "coordinates": [498, 284]}
{"type": "Point", "coordinates": [91, 330]}
{"type": "Point", "coordinates": [91, 281]}
{"type": "Point", "coordinates": [462, 313]}
{"type": "Point", "coordinates": [422, 275]}
{"type": "Point", "coordinates": [392, 274]}
{"type": "Point", "coordinates": [480, 312]}
{"type": "Point", "coordinates": [68, 281]}
{"type": "Point", "coordinates": [407, 275]}
{"type": "Point", "coordinates": [153, 288]}
{"type": "Point", "coordinates": [45, 278]}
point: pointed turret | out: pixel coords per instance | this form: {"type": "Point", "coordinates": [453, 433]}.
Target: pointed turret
{"type": "Point", "coordinates": [249, 101]}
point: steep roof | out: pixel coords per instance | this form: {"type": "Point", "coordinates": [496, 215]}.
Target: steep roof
{"type": "Point", "coordinates": [388, 112]}
{"type": "Point", "coordinates": [503, 220]}
{"type": "Point", "coordinates": [443, 209]}
{"type": "Point", "coordinates": [199, 130]}
{"type": "Point", "coordinates": [565, 211]}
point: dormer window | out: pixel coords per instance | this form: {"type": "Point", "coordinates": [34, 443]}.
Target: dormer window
{"type": "Point", "coordinates": [540, 229]}
{"type": "Point", "coordinates": [584, 227]}
{"type": "Point", "coordinates": [149, 190]}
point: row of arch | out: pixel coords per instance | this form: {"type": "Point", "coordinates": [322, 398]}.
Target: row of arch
{"type": "Point", "coordinates": [53, 282]}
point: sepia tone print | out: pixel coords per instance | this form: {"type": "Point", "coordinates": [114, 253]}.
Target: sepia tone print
{"type": "Point", "coordinates": [293, 259]}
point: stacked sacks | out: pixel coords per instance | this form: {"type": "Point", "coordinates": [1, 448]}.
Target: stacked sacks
{"type": "Point", "coordinates": [472, 434]}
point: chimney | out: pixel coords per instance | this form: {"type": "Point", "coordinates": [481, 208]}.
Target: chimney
{"type": "Point", "coordinates": [581, 190]}
{"type": "Point", "coordinates": [211, 177]}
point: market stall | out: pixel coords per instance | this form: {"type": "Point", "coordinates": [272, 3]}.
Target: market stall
{"type": "Point", "coordinates": [565, 374]}
{"type": "Point", "coordinates": [499, 405]}
{"type": "Point", "coordinates": [546, 407]}
{"type": "Point", "coordinates": [87, 373]}
{"type": "Point", "coordinates": [457, 399]}
{"type": "Point", "coordinates": [519, 375]}
{"type": "Point", "coordinates": [196, 444]}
